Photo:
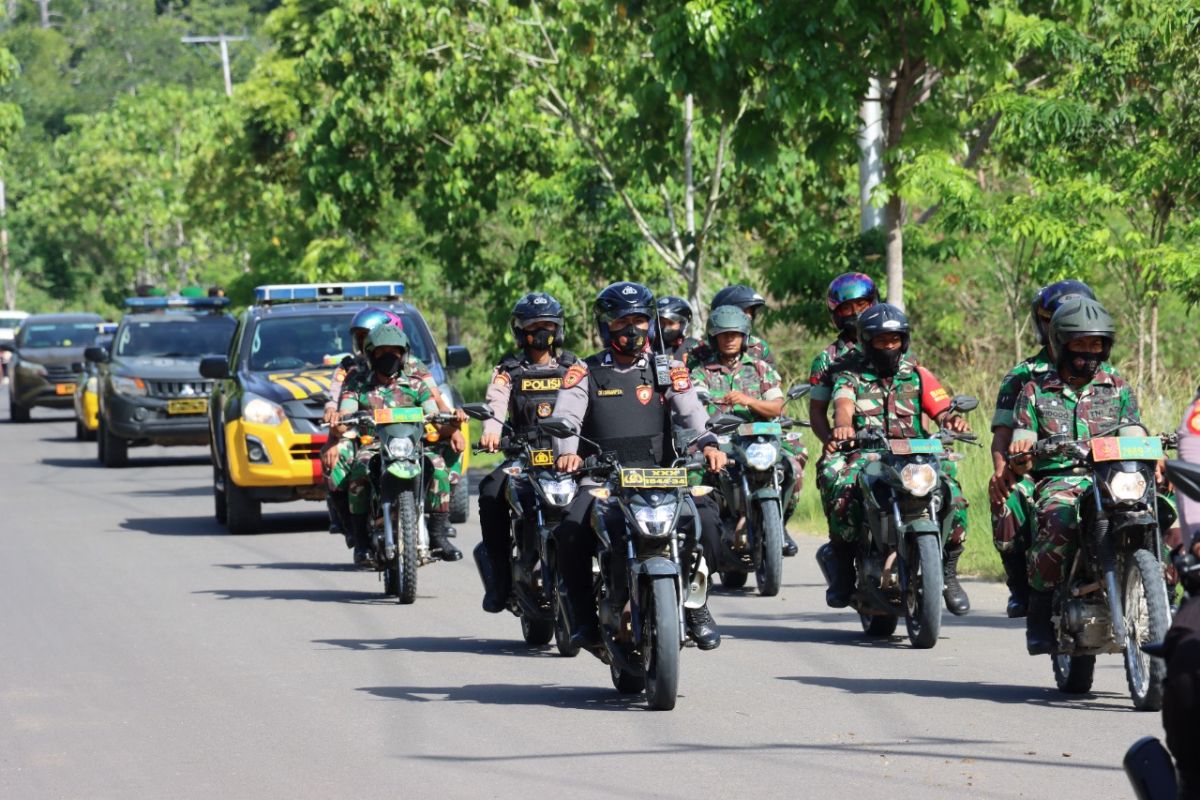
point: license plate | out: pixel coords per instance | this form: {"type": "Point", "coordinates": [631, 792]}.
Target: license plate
{"type": "Point", "coordinates": [64, 388]}
{"type": "Point", "coordinates": [1127, 448]}
{"type": "Point", "coordinates": [664, 478]}
{"type": "Point", "coordinates": [909, 447]}
{"type": "Point", "coordinates": [760, 429]}
{"type": "Point", "coordinates": [190, 406]}
{"type": "Point", "coordinates": [541, 458]}
{"type": "Point", "coordinates": [387, 416]}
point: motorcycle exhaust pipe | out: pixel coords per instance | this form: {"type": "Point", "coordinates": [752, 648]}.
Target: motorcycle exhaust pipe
{"type": "Point", "coordinates": [827, 561]}
{"type": "Point", "coordinates": [697, 589]}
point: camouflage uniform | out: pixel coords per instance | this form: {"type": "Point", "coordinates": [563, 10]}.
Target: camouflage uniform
{"type": "Point", "coordinates": [758, 379]}
{"type": "Point", "coordinates": [1048, 407]}
{"type": "Point", "coordinates": [825, 366]}
{"type": "Point", "coordinates": [895, 406]}
{"type": "Point", "coordinates": [407, 391]}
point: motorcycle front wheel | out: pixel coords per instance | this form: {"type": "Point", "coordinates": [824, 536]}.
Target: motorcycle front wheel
{"type": "Point", "coordinates": [660, 645]}
{"type": "Point", "coordinates": [403, 569]}
{"type": "Point", "coordinates": [769, 575]}
{"type": "Point", "coordinates": [1147, 619]}
{"type": "Point", "coordinates": [923, 595]}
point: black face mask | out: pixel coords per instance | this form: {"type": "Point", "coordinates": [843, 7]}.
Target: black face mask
{"type": "Point", "coordinates": [635, 340]}
{"type": "Point", "coordinates": [672, 336]}
{"type": "Point", "coordinates": [539, 340]}
{"type": "Point", "coordinates": [387, 364]}
{"type": "Point", "coordinates": [848, 327]}
{"type": "Point", "coordinates": [885, 362]}
{"type": "Point", "coordinates": [1083, 365]}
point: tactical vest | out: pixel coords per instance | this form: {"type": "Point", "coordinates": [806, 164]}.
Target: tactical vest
{"type": "Point", "coordinates": [626, 414]}
{"type": "Point", "coordinates": [533, 389]}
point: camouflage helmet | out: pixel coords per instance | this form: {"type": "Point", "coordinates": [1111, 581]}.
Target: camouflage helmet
{"type": "Point", "coordinates": [386, 336]}
{"type": "Point", "coordinates": [727, 319]}
{"type": "Point", "coordinates": [1079, 317]}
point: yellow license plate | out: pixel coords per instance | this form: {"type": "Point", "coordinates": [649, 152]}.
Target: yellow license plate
{"type": "Point", "coordinates": [198, 406]}
{"type": "Point", "coordinates": [64, 388]}
{"type": "Point", "coordinates": [541, 458]}
{"type": "Point", "coordinates": [665, 478]}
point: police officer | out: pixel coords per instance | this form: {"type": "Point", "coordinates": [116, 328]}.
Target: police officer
{"type": "Point", "coordinates": [1011, 497]}
{"type": "Point", "coordinates": [523, 389]}
{"type": "Point", "coordinates": [674, 318]}
{"type": "Point", "coordinates": [615, 399]}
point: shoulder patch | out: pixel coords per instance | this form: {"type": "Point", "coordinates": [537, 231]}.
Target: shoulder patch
{"type": "Point", "coordinates": [1193, 420]}
{"type": "Point", "coordinates": [575, 374]}
{"type": "Point", "coordinates": [501, 378]}
{"type": "Point", "coordinates": [681, 379]}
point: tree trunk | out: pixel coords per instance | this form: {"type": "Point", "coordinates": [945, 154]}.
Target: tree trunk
{"type": "Point", "coordinates": [44, 12]}
{"type": "Point", "coordinates": [1141, 344]}
{"type": "Point", "coordinates": [1154, 344]}
{"type": "Point", "coordinates": [10, 278]}
{"type": "Point", "coordinates": [453, 327]}
{"type": "Point", "coordinates": [893, 226]}
{"type": "Point", "coordinates": [870, 155]}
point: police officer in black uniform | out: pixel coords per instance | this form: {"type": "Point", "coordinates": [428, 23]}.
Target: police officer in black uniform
{"type": "Point", "coordinates": [615, 398]}
{"type": "Point", "coordinates": [674, 318]}
{"type": "Point", "coordinates": [523, 389]}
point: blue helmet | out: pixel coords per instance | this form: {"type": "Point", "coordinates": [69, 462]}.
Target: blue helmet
{"type": "Point", "coordinates": [1049, 298]}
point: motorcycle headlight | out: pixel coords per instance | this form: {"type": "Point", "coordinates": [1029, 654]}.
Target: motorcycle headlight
{"type": "Point", "coordinates": [761, 455]}
{"type": "Point", "coordinates": [918, 479]}
{"type": "Point", "coordinates": [134, 387]}
{"type": "Point", "coordinates": [1127, 485]}
{"type": "Point", "coordinates": [558, 491]}
{"type": "Point", "coordinates": [655, 521]}
{"type": "Point", "coordinates": [263, 412]}
{"type": "Point", "coordinates": [400, 447]}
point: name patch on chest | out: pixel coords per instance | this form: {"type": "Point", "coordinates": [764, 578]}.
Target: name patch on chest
{"type": "Point", "coordinates": [609, 392]}
{"type": "Point", "coordinates": [541, 384]}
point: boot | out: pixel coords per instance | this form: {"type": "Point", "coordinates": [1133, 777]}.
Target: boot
{"type": "Point", "coordinates": [439, 543]}
{"type": "Point", "coordinates": [339, 511]}
{"type": "Point", "coordinates": [957, 602]}
{"type": "Point", "coordinates": [497, 579]}
{"type": "Point", "coordinates": [1016, 576]}
{"type": "Point", "coordinates": [789, 545]}
{"type": "Point", "coordinates": [1039, 628]}
{"type": "Point", "coordinates": [702, 627]}
{"type": "Point", "coordinates": [363, 556]}
{"type": "Point", "coordinates": [836, 559]}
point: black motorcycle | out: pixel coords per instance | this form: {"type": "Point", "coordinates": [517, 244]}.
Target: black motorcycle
{"type": "Point", "coordinates": [642, 585]}
{"type": "Point", "coordinates": [538, 496]}
{"type": "Point", "coordinates": [1114, 597]}
{"type": "Point", "coordinates": [898, 564]}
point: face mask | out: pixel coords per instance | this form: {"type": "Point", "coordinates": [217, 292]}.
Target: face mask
{"type": "Point", "coordinates": [387, 364]}
{"type": "Point", "coordinates": [672, 337]}
{"type": "Point", "coordinates": [635, 340]}
{"type": "Point", "coordinates": [1083, 365]}
{"type": "Point", "coordinates": [885, 362]}
{"type": "Point", "coordinates": [848, 326]}
{"type": "Point", "coordinates": [539, 340]}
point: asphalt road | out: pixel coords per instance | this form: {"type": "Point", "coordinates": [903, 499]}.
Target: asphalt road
{"type": "Point", "coordinates": [146, 653]}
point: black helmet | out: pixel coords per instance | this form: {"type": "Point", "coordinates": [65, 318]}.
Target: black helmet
{"type": "Point", "coordinates": [675, 308]}
{"type": "Point", "coordinates": [726, 319]}
{"type": "Point", "coordinates": [1050, 297]}
{"type": "Point", "coordinates": [877, 320]}
{"type": "Point", "coordinates": [536, 307]}
{"type": "Point", "coordinates": [1076, 318]}
{"type": "Point", "coordinates": [622, 299]}
{"type": "Point", "coordinates": [738, 295]}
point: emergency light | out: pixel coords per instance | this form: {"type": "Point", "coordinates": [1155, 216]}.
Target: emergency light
{"type": "Point", "coordinates": [312, 292]}
{"type": "Point", "coordinates": [162, 303]}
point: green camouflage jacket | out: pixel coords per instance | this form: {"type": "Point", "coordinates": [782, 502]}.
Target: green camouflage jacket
{"type": "Point", "coordinates": [826, 365]}
{"type": "Point", "coordinates": [1015, 380]}
{"type": "Point", "coordinates": [893, 405]}
{"type": "Point", "coordinates": [363, 390]}
{"type": "Point", "coordinates": [750, 375]}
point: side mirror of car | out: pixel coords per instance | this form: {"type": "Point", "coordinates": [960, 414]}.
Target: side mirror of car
{"type": "Point", "coordinates": [798, 391]}
{"type": "Point", "coordinates": [96, 355]}
{"type": "Point", "coordinates": [964, 402]}
{"type": "Point", "coordinates": [457, 357]}
{"type": "Point", "coordinates": [558, 427]}
{"type": "Point", "coordinates": [214, 367]}
{"type": "Point", "coordinates": [479, 411]}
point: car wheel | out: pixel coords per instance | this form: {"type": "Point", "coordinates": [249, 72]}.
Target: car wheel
{"type": "Point", "coordinates": [114, 451]}
{"type": "Point", "coordinates": [16, 411]}
{"type": "Point", "coordinates": [243, 513]}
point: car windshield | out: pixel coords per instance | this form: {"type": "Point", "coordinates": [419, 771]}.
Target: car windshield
{"type": "Point", "coordinates": [58, 334]}
{"type": "Point", "coordinates": [310, 342]}
{"type": "Point", "coordinates": [176, 338]}
{"type": "Point", "coordinates": [10, 320]}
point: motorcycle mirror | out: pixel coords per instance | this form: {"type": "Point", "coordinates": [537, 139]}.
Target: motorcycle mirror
{"type": "Point", "coordinates": [558, 427]}
{"type": "Point", "coordinates": [479, 411]}
{"type": "Point", "coordinates": [798, 391]}
{"type": "Point", "coordinates": [1185, 477]}
{"type": "Point", "coordinates": [964, 402]}
{"type": "Point", "coordinates": [724, 423]}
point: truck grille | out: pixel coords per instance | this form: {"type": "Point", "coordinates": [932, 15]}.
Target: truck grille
{"type": "Point", "coordinates": [58, 373]}
{"type": "Point", "coordinates": [307, 451]}
{"type": "Point", "coordinates": [172, 389]}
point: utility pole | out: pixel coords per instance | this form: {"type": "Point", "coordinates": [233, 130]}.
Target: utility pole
{"type": "Point", "coordinates": [870, 155]}
{"type": "Point", "coordinates": [10, 285]}
{"type": "Point", "coordinates": [223, 41]}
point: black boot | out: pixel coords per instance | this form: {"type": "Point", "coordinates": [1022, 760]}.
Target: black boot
{"type": "Point", "coordinates": [1016, 576]}
{"type": "Point", "coordinates": [702, 627]}
{"type": "Point", "coordinates": [957, 602]}
{"type": "Point", "coordinates": [1039, 628]}
{"type": "Point", "coordinates": [836, 559]}
{"type": "Point", "coordinates": [789, 545]}
{"type": "Point", "coordinates": [339, 509]}
{"type": "Point", "coordinates": [363, 555]}
{"type": "Point", "coordinates": [439, 543]}
{"type": "Point", "coordinates": [497, 579]}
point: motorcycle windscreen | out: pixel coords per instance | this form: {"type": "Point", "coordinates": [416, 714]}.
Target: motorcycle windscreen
{"type": "Point", "coordinates": [660, 478]}
{"type": "Point", "coordinates": [1127, 448]}
{"type": "Point", "coordinates": [912, 447]}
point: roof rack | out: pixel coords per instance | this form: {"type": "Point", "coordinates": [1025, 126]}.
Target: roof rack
{"type": "Point", "coordinates": [163, 303]}
{"type": "Point", "coordinates": [314, 292]}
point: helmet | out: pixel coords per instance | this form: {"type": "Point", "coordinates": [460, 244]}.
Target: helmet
{"type": "Point", "coordinates": [1049, 298]}
{"type": "Point", "coordinates": [620, 300]}
{"type": "Point", "coordinates": [536, 307]}
{"type": "Point", "coordinates": [851, 286]}
{"type": "Point", "coordinates": [727, 319]}
{"type": "Point", "coordinates": [877, 320]}
{"type": "Point", "coordinates": [675, 308]}
{"type": "Point", "coordinates": [367, 319]}
{"type": "Point", "coordinates": [738, 295]}
{"type": "Point", "coordinates": [1078, 317]}
{"type": "Point", "coordinates": [386, 336]}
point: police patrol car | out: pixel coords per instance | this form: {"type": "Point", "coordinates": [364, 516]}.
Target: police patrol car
{"type": "Point", "coordinates": [87, 398]}
{"type": "Point", "coordinates": [267, 407]}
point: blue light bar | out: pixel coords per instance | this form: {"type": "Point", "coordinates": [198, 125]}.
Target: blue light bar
{"type": "Point", "coordinates": [313, 292]}
{"type": "Point", "coordinates": [161, 303]}
{"type": "Point", "coordinates": [106, 328]}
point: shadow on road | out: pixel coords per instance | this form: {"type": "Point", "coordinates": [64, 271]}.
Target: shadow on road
{"type": "Point", "coordinates": [185, 491]}
{"type": "Point", "coordinates": [514, 694]}
{"type": "Point", "coordinates": [299, 522]}
{"type": "Point", "coordinates": [316, 566]}
{"type": "Point", "coordinates": [306, 595]}
{"type": "Point", "coordinates": [134, 463]}
{"type": "Point", "coordinates": [446, 644]}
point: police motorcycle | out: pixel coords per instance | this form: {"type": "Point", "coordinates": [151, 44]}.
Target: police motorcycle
{"type": "Point", "coordinates": [898, 565]}
{"type": "Point", "coordinates": [751, 491]}
{"type": "Point", "coordinates": [538, 496]}
{"type": "Point", "coordinates": [641, 592]}
{"type": "Point", "coordinates": [398, 479]}
{"type": "Point", "coordinates": [1114, 598]}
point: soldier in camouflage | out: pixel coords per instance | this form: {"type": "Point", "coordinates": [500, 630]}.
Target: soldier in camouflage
{"type": "Point", "coordinates": [1074, 398]}
{"type": "Point", "coordinates": [388, 386]}
{"type": "Point", "coordinates": [882, 388]}
{"type": "Point", "coordinates": [747, 300]}
{"type": "Point", "coordinates": [736, 382]}
{"type": "Point", "coordinates": [1011, 497]}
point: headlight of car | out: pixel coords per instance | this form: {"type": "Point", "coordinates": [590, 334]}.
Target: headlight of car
{"type": "Point", "coordinates": [559, 492]}
{"type": "Point", "coordinates": [1127, 485]}
{"type": "Point", "coordinates": [400, 447]}
{"type": "Point", "coordinates": [34, 367]}
{"type": "Point", "coordinates": [132, 387]}
{"type": "Point", "coordinates": [918, 479]}
{"type": "Point", "coordinates": [262, 411]}
{"type": "Point", "coordinates": [655, 520]}
{"type": "Point", "coordinates": [761, 455]}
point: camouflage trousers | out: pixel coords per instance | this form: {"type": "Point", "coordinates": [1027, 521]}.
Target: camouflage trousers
{"type": "Point", "coordinates": [828, 469]}
{"type": "Point", "coordinates": [335, 479]}
{"type": "Point", "coordinates": [797, 455]}
{"type": "Point", "coordinates": [845, 510]}
{"type": "Point", "coordinates": [440, 478]}
{"type": "Point", "coordinates": [1012, 520]}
